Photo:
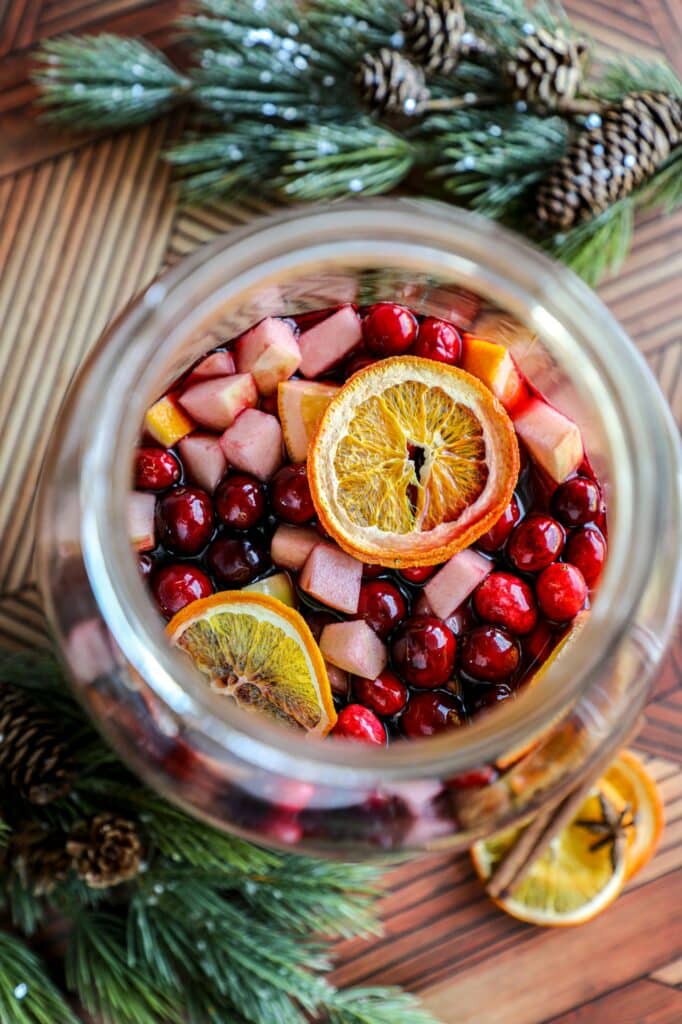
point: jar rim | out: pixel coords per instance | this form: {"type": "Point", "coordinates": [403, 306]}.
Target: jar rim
{"type": "Point", "coordinates": [572, 321]}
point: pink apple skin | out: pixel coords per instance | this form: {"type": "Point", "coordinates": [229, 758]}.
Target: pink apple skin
{"type": "Point", "coordinates": [329, 341]}
{"type": "Point", "coordinates": [291, 545]}
{"type": "Point", "coordinates": [551, 438]}
{"type": "Point", "coordinates": [216, 403]}
{"type": "Point", "coordinates": [141, 531]}
{"type": "Point", "coordinates": [332, 577]}
{"type": "Point", "coordinates": [218, 364]}
{"type": "Point", "coordinates": [203, 459]}
{"type": "Point", "coordinates": [254, 443]}
{"type": "Point", "coordinates": [354, 647]}
{"type": "Point", "coordinates": [270, 352]}
{"type": "Point", "coordinates": [453, 583]}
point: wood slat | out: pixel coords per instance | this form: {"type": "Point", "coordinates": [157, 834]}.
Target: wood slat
{"type": "Point", "coordinates": [641, 1002]}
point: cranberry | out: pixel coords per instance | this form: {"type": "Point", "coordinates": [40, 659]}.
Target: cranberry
{"type": "Point", "coordinates": [417, 573]}
{"type": "Point", "coordinates": [586, 549]}
{"type": "Point", "coordinates": [155, 469]}
{"type": "Point", "coordinates": [439, 340]}
{"type": "Point", "coordinates": [382, 606]}
{"type": "Point", "coordinates": [177, 585]}
{"type": "Point", "coordinates": [237, 560]}
{"type": "Point", "coordinates": [358, 723]}
{"type": "Point", "coordinates": [429, 713]}
{"type": "Point", "coordinates": [389, 329]}
{"type": "Point", "coordinates": [473, 779]}
{"type": "Point", "coordinates": [497, 535]}
{"type": "Point", "coordinates": [490, 654]}
{"type": "Point", "coordinates": [317, 620]}
{"type": "Point", "coordinates": [282, 827]}
{"type": "Point", "coordinates": [371, 571]}
{"type": "Point", "coordinates": [505, 600]}
{"type": "Point", "coordinates": [386, 695]}
{"type": "Point", "coordinates": [488, 696]}
{"type": "Point", "coordinates": [291, 498]}
{"type": "Point", "coordinates": [240, 501]}
{"type": "Point", "coordinates": [185, 520]}
{"type": "Point", "coordinates": [461, 620]}
{"type": "Point", "coordinates": [424, 651]}
{"type": "Point", "coordinates": [577, 501]}
{"type": "Point", "coordinates": [561, 591]}
{"type": "Point", "coordinates": [356, 363]}
{"type": "Point", "coordinates": [539, 642]}
{"type": "Point", "coordinates": [145, 564]}
{"type": "Point", "coordinates": [535, 543]}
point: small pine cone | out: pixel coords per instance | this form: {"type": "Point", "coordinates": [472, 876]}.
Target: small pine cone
{"type": "Point", "coordinates": [105, 851]}
{"type": "Point", "coordinates": [35, 762]}
{"type": "Point", "coordinates": [437, 37]}
{"type": "Point", "coordinates": [546, 69]}
{"type": "Point", "coordinates": [39, 857]}
{"type": "Point", "coordinates": [389, 83]}
{"type": "Point", "coordinates": [615, 154]}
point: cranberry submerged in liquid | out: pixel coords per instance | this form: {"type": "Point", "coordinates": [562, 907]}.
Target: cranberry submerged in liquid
{"type": "Point", "coordinates": [535, 543]}
{"type": "Point", "coordinates": [386, 695]}
{"type": "Point", "coordinates": [586, 550]}
{"type": "Point", "coordinates": [237, 560]}
{"type": "Point", "coordinates": [382, 606]}
{"type": "Point", "coordinates": [497, 535]}
{"type": "Point", "coordinates": [490, 654]}
{"type": "Point", "coordinates": [424, 651]}
{"type": "Point", "coordinates": [356, 722]}
{"type": "Point", "coordinates": [240, 501]}
{"type": "Point", "coordinates": [561, 591]}
{"type": "Point", "coordinates": [155, 469]}
{"type": "Point", "coordinates": [431, 713]}
{"type": "Point", "coordinates": [177, 585]}
{"type": "Point", "coordinates": [438, 340]}
{"type": "Point", "coordinates": [185, 520]}
{"type": "Point", "coordinates": [290, 494]}
{"type": "Point", "coordinates": [389, 329]}
{"type": "Point", "coordinates": [577, 501]}
{"type": "Point", "coordinates": [506, 600]}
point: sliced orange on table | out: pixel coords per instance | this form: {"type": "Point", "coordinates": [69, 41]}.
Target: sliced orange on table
{"type": "Point", "coordinates": [412, 461]}
{"type": "Point", "coordinates": [628, 783]}
{"type": "Point", "coordinates": [255, 649]}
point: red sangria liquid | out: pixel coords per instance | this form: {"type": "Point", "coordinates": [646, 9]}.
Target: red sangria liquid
{"type": "Point", "coordinates": [223, 502]}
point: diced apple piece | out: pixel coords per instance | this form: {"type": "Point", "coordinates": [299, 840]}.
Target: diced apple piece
{"type": "Point", "coordinates": [338, 679]}
{"type": "Point", "coordinates": [554, 441]}
{"type": "Point", "coordinates": [506, 330]}
{"type": "Point", "coordinates": [354, 647]}
{"type": "Point", "coordinates": [300, 404]}
{"type": "Point", "coordinates": [254, 443]}
{"type": "Point", "coordinates": [270, 352]}
{"type": "Point", "coordinates": [332, 577]}
{"type": "Point", "coordinates": [329, 341]}
{"type": "Point", "coordinates": [291, 545]}
{"type": "Point", "coordinates": [141, 508]}
{"type": "Point", "coordinates": [203, 459]}
{"type": "Point", "coordinates": [453, 583]}
{"type": "Point", "coordinates": [494, 366]}
{"type": "Point", "coordinates": [278, 586]}
{"type": "Point", "coordinates": [166, 423]}
{"type": "Point", "coordinates": [216, 403]}
{"type": "Point", "coordinates": [218, 364]}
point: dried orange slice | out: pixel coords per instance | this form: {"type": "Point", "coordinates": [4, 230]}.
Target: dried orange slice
{"type": "Point", "coordinates": [260, 652]}
{"type": "Point", "coordinates": [412, 461]}
{"type": "Point", "coordinates": [626, 782]}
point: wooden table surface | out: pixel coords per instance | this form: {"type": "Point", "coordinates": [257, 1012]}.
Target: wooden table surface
{"type": "Point", "coordinates": [84, 225]}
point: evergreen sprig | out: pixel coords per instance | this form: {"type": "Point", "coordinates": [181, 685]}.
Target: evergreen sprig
{"type": "Point", "coordinates": [213, 930]}
{"type": "Point", "coordinates": [278, 112]}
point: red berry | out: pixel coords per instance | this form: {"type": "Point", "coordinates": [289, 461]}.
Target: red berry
{"type": "Point", "coordinates": [473, 779]}
{"type": "Point", "coordinates": [358, 723]}
{"type": "Point", "coordinates": [145, 564]}
{"type": "Point", "coordinates": [424, 651]}
{"type": "Point", "coordinates": [371, 571]}
{"type": "Point", "coordinates": [461, 620]}
{"type": "Point", "coordinates": [577, 501]}
{"type": "Point", "coordinates": [177, 585]}
{"type": "Point", "coordinates": [237, 560]}
{"type": "Point", "coordinates": [488, 696]}
{"type": "Point", "coordinates": [535, 543]}
{"type": "Point", "coordinates": [389, 329]}
{"type": "Point", "coordinates": [439, 340]}
{"type": "Point", "coordinates": [282, 827]}
{"type": "Point", "coordinates": [490, 654]}
{"type": "Point", "coordinates": [417, 573]}
{"type": "Point", "coordinates": [240, 501]}
{"type": "Point", "coordinates": [561, 591]}
{"type": "Point", "coordinates": [317, 620]}
{"type": "Point", "coordinates": [505, 600]}
{"type": "Point", "coordinates": [386, 695]}
{"type": "Point", "coordinates": [430, 713]}
{"type": "Point", "coordinates": [382, 606]}
{"type": "Point", "coordinates": [357, 362]}
{"type": "Point", "coordinates": [155, 469]}
{"type": "Point", "coordinates": [586, 549]}
{"type": "Point", "coordinates": [291, 498]}
{"type": "Point", "coordinates": [539, 642]}
{"type": "Point", "coordinates": [185, 520]}
{"type": "Point", "coordinates": [497, 535]}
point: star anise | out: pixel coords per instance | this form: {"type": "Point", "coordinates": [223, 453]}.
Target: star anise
{"type": "Point", "coordinates": [612, 829]}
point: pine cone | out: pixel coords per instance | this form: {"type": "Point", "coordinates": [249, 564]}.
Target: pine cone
{"type": "Point", "coordinates": [35, 762]}
{"type": "Point", "coordinates": [389, 83]}
{"type": "Point", "coordinates": [39, 857]}
{"type": "Point", "coordinates": [546, 69]}
{"type": "Point", "coordinates": [437, 37]}
{"type": "Point", "coordinates": [614, 155]}
{"type": "Point", "coordinates": [105, 851]}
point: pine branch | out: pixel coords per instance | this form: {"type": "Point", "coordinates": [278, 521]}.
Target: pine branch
{"type": "Point", "coordinates": [105, 81]}
{"type": "Point", "coordinates": [224, 164]}
{"type": "Point", "coordinates": [598, 245]}
{"type": "Point", "coordinates": [26, 910]}
{"type": "Point", "coordinates": [347, 28]}
{"type": "Point", "coordinates": [505, 22]}
{"type": "Point", "coordinates": [632, 74]}
{"type": "Point", "coordinates": [27, 996]}
{"type": "Point", "coordinates": [665, 188]}
{"type": "Point", "coordinates": [376, 1006]}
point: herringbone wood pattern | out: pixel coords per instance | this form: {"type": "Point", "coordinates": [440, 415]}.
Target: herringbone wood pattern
{"type": "Point", "coordinates": [83, 225]}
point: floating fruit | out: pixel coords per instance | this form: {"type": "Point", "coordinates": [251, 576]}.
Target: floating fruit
{"type": "Point", "coordinates": [203, 459]}
{"type": "Point", "coordinates": [270, 352]}
{"type": "Point", "coordinates": [493, 365]}
{"type": "Point", "coordinates": [300, 405]}
{"type": "Point", "coordinates": [412, 461]}
{"type": "Point", "coordinates": [166, 422]}
{"type": "Point", "coordinates": [256, 650]}
{"type": "Point", "coordinates": [216, 403]}
{"type": "Point", "coordinates": [554, 441]}
{"type": "Point", "coordinates": [326, 344]}
{"type": "Point", "coordinates": [254, 443]}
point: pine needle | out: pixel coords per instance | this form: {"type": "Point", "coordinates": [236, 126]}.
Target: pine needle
{"type": "Point", "coordinates": [27, 996]}
{"type": "Point", "coordinates": [505, 22]}
{"type": "Point", "coordinates": [600, 245]}
{"type": "Point", "coordinates": [665, 188]}
{"type": "Point", "coordinates": [633, 74]}
{"type": "Point", "coordinates": [376, 1006]}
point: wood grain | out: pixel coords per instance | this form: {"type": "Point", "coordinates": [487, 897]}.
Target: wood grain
{"type": "Point", "coordinates": [84, 223]}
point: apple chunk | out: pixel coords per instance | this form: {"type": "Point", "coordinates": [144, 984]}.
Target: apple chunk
{"type": "Point", "coordinates": [332, 577]}
{"type": "Point", "coordinates": [554, 441]}
{"type": "Point", "coordinates": [300, 404]}
{"type": "Point", "coordinates": [141, 509]}
{"type": "Point", "coordinates": [216, 403]}
{"type": "Point", "coordinates": [291, 545]}
{"type": "Point", "coordinates": [453, 583]}
{"type": "Point", "coordinates": [254, 443]}
{"type": "Point", "coordinates": [270, 352]}
{"type": "Point", "coordinates": [326, 344]}
{"type": "Point", "coordinates": [203, 459]}
{"type": "Point", "coordinates": [218, 364]}
{"type": "Point", "coordinates": [354, 647]}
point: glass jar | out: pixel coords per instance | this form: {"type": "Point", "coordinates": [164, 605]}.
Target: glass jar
{"type": "Point", "coordinates": [260, 780]}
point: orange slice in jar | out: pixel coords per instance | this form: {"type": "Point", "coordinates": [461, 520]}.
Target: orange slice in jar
{"type": "Point", "coordinates": [412, 461]}
{"type": "Point", "coordinates": [260, 652]}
